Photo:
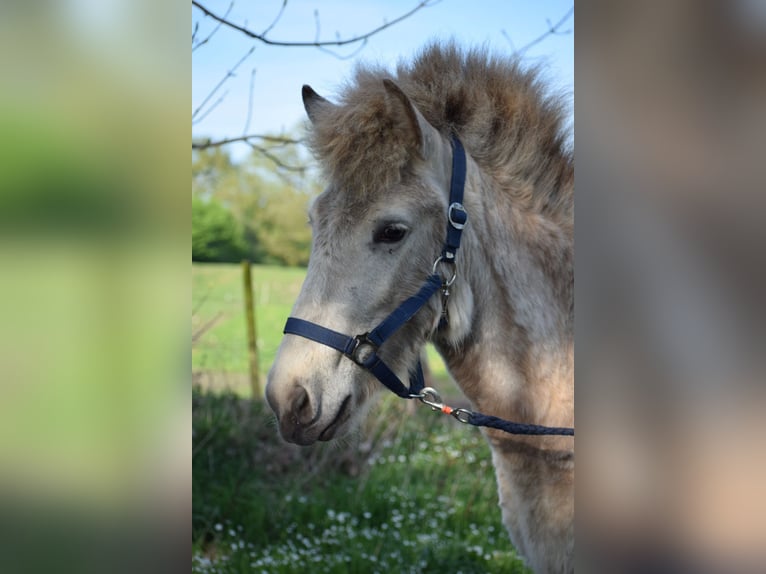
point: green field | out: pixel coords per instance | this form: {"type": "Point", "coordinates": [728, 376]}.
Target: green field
{"type": "Point", "coordinates": [219, 355]}
{"type": "Point", "coordinates": [411, 491]}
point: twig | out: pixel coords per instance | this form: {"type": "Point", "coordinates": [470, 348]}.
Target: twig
{"type": "Point", "coordinates": [207, 39]}
{"type": "Point", "coordinates": [346, 57]}
{"type": "Point", "coordinates": [318, 26]}
{"type": "Point", "coordinates": [552, 30]}
{"type": "Point", "coordinates": [277, 19]}
{"type": "Point", "coordinates": [207, 143]}
{"type": "Point", "coordinates": [508, 37]}
{"type": "Point", "coordinates": [278, 162]}
{"type": "Point", "coordinates": [228, 75]}
{"type": "Point", "coordinates": [249, 102]}
{"type": "Point", "coordinates": [210, 109]}
{"type": "Point", "coordinates": [316, 43]}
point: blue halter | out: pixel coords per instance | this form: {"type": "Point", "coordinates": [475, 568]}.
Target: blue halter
{"type": "Point", "coordinates": [363, 349]}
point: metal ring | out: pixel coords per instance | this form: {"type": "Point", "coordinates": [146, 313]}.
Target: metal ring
{"type": "Point", "coordinates": [463, 415]}
{"type": "Point", "coordinates": [361, 343]}
{"type": "Point", "coordinates": [441, 259]}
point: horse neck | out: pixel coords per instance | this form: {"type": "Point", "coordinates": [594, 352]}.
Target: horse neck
{"type": "Point", "coordinates": [516, 360]}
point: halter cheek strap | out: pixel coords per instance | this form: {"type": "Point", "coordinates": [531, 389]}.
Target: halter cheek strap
{"type": "Point", "coordinates": [457, 216]}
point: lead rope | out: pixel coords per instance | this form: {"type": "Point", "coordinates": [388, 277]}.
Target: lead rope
{"type": "Point", "coordinates": [430, 396]}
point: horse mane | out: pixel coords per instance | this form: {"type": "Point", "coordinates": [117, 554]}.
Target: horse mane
{"type": "Point", "coordinates": [509, 124]}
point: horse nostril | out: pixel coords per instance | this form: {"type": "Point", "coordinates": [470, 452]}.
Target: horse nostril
{"type": "Point", "coordinates": [301, 411]}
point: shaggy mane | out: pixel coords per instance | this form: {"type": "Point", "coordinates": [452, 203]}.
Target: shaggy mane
{"type": "Point", "coordinates": [513, 130]}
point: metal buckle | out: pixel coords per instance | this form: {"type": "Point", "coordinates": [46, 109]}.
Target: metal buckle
{"type": "Point", "coordinates": [452, 222]}
{"type": "Point", "coordinates": [361, 343]}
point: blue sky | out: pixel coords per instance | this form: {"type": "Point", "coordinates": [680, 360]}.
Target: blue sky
{"type": "Point", "coordinates": [281, 71]}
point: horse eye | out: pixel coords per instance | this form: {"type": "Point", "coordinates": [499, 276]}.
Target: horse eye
{"type": "Point", "coordinates": [390, 233]}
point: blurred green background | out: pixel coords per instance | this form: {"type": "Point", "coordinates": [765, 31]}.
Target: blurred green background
{"type": "Point", "coordinates": [94, 290]}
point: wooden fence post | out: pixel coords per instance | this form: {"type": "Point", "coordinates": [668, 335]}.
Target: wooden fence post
{"type": "Point", "coordinates": [252, 345]}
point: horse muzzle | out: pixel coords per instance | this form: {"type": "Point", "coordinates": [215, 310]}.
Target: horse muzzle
{"type": "Point", "coordinates": [304, 417]}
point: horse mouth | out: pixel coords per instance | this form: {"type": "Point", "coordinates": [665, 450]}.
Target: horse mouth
{"type": "Point", "coordinates": [344, 413]}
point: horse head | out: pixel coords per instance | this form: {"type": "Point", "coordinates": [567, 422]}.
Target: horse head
{"type": "Point", "coordinates": [377, 230]}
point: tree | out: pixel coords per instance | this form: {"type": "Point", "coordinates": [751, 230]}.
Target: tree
{"type": "Point", "coordinates": [281, 227]}
{"type": "Point", "coordinates": [216, 234]}
{"type": "Point", "coordinates": [255, 208]}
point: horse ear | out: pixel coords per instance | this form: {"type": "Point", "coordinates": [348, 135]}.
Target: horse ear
{"type": "Point", "coordinates": [312, 101]}
{"type": "Point", "coordinates": [411, 117]}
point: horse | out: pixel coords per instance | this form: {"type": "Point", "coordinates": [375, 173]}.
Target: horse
{"type": "Point", "coordinates": [386, 150]}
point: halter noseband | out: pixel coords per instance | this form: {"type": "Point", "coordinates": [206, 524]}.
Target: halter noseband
{"type": "Point", "coordinates": [363, 349]}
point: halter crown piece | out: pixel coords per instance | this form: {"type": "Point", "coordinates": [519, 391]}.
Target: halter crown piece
{"type": "Point", "coordinates": [363, 349]}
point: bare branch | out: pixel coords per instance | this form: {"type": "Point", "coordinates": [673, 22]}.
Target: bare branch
{"type": "Point", "coordinates": [210, 109]}
{"type": "Point", "coordinates": [552, 31]}
{"type": "Point", "coordinates": [208, 143]}
{"type": "Point", "coordinates": [201, 111]}
{"type": "Point", "coordinates": [342, 57]}
{"type": "Point", "coordinates": [277, 161]}
{"type": "Point", "coordinates": [228, 75]}
{"type": "Point", "coordinates": [212, 33]}
{"type": "Point", "coordinates": [316, 43]}
{"type": "Point", "coordinates": [277, 19]}
{"type": "Point", "coordinates": [249, 102]}
{"type": "Point", "coordinates": [507, 37]}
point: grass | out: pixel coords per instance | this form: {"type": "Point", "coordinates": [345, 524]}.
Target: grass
{"type": "Point", "coordinates": [412, 492]}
